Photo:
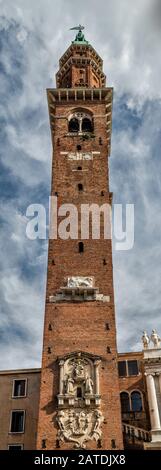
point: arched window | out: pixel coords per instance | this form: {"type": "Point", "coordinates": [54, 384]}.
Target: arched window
{"type": "Point", "coordinates": [80, 120]}
{"type": "Point", "coordinates": [81, 247]}
{"type": "Point", "coordinates": [125, 402]}
{"type": "Point", "coordinates": [87, 125]}
{"type": "Point", "coordinates": [73, 125]}
{"type": "Point", "coordinates": [136, 401]}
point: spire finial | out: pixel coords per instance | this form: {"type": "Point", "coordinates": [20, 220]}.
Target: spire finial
{"type": "Point", "coordinates": [79, 36]}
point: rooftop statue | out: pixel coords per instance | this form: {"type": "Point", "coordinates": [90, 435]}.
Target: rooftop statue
{"type": "Point", "coordinates": [155, 338]}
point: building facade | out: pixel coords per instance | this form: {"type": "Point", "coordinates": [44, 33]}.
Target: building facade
{"type": "Point", "coordinates": [86, 396]}
{"type": "Point", "coordinates": [19, 402]}
{"type": "Point", "coordinates": [140, 403]}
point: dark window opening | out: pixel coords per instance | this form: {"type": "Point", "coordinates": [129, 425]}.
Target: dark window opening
{"type": "Point", "coordinates": [80, 187]}
{"type": "Point", "coordinates": [108, 349]}
{"type": "Point", "coordinates": [125, 402]}
{"type": "Point", "coordinates": [79, 392]}
{"type": "Point", "coordinates": [50, 327]}
{"type": "Point", "coordinates": [102, 193]}
{"type": "Point", "coordinates": [122, 368]}
{"type": "Point", "coordinates": [43, 444]}
{"type": "Point", "coordinates": [132, 367]}
{"type": "Point", "coordinates": [49, 350]}
{"type": "Point", "coordinates": [19, 388]}
{"type": "Point", "coordinates": [58, 141]}
{"type": "Point", "coordinates": [57, 444]}
{"type": "Point", "coordinates": [136, 401]}
{"type": "Point", "coordinates": [104, 262]}
{"type": "Point", "coordinates": [113, 443]}
{"type": "Point", "coordinates": [17, 421]}
{"type": "Point", "coordinates": [79, 168]}
{"type": "Point", "coordinates": [100, 140]}
{"type": "Point", "coordinates": [99, 444]}
{"type": "Point", "coordinates": [15, 447]}
{"type": "Point", "coordinates": [53, 262]}
{"type": "Point", "coordinates": [73, 125]}
{"type": "Point", "coordinates": [107, 326]}
{"type": "Point", "coordinates": [87, 125]}
{"type": "Point", "coordinates": [55, 194]}
{"type": "Point", "coordinates": [79, 147]}
{"type": "Point", "coordinates": [81, 247]}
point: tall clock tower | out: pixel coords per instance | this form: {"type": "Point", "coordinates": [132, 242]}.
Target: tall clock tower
{"type": "Point", "coordinates": [79, 398]}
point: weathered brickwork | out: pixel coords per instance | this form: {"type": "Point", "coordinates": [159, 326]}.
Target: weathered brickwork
{"type": "Point", "coordinates": [80, 326]}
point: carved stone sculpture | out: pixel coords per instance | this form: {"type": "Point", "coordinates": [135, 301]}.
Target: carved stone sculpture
{"type": "Point", "coordinates": [89, 385]}
{"type": "Point", "coordinates": [70, 386]}
{"type": "Point", "coordinates": [145, 340]}
{"type": "Point", "coordinates": [79, 370]}
{"type": "Point", "coordinates": [80, 281]}
{"type": "Point", "coordinates": [155, 338]}
{"type": "Point", "coordinates": [78, 380]}
{"type": "Point", "coordinates": [79, 426]}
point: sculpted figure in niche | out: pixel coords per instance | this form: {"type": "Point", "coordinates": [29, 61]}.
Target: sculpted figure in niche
{"type": "Point", "coordinates": [145, 340]}
{"type": "Point", "coordinates": [89, 385]}
{"type": "Point", "coordinates": [79, 370]}
{"type": "Point", "coordinates": [70, 386]}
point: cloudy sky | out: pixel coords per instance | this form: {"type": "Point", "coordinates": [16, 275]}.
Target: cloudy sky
{"type": "Point", "coordinates": [33, 35]}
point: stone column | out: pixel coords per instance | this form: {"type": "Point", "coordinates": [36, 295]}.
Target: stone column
{"type": "Point", "coordinates": [61, 377]}
{"type": "Point", "coordinates": [96, 366]}
{"type": "Point", "coordinates": [153, 405]}
{"type": "Point", "coordinates": [160, 382]}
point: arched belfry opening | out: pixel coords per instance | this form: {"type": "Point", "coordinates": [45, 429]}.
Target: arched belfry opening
{"type": "Point", "coordinates": [81, 121]}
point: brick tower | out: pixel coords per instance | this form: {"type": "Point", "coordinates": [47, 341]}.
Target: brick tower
{"type": "Point", "coordinates": [79, 398]}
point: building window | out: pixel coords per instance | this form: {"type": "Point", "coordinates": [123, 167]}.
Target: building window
{"type": "Point", "coordinates": [125, 402]}
{"type": "Point", "coordinates": [87, 125]}
{"type": "Point", "coordinates": [81, 247]}
{"type": "Point", "coordinates": [81, 120]}
{"type": "Point", "coordinates": [132, 367]}
{"type": "Point", "coordinates": [17, 421]}
{"type": "Point", "coordinates": [73, 125]}
{"type": "Point", "coordinates": [136, 401]}
{"type": "Point", "coordinates": [79, 147]}
{"type": "Point", "coordinates": [15, 447]}
{"type": "Point", "coordinates": [128, 368]}
{"type": "Point", "coordinates": [122, 369]}
{"type": "Point", "coordinates": [79, 168]}
{"type": "Point", "coordinates": [80, 187]}
{"type": "Point", "coordinates": [19, 388]}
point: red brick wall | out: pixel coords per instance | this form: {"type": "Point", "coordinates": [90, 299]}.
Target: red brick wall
{"type": "Point", "coordinates": [80, 326]}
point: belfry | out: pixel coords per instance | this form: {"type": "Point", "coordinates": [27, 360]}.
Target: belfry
{"type": "Point", "coordinates": [79, 397]}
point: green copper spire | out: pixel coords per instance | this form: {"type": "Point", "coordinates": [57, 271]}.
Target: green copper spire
{"type": "Point", "coordinates": [79, 39]}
